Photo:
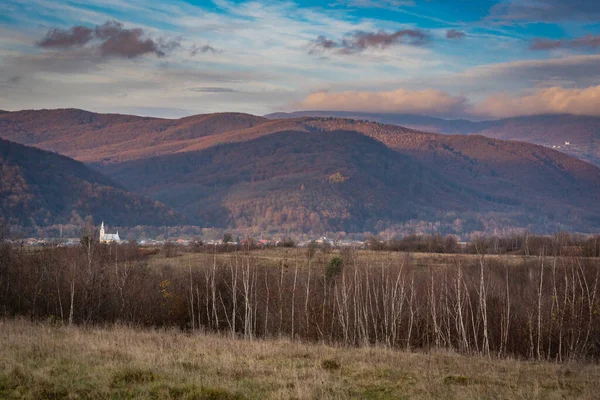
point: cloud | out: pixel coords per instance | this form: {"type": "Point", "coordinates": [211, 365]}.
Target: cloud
{"type": "Point", "coordinates": [111, 39]}
{"type": "Point", "coordinates": [454, 34]}
{"type": "Point", "coordinates": [203, 49]}
{"type": "Point", "coordinates": [427, 101]}
{"type": "Point", "coordinates": [587, 41]}
{"type": "Point", "coordinates": [571, 71]}
{"type": "Point", "coordinates": [212, 90]}
{"type": "Point", "coordinates": [554, 100]}
{"type": "Point", "coordinates": [384, 4]}
{"type": "Point", "coordinates": [324, 43]}
{"type": "Point", "coordinates": [76, 36]}
{"type": "Point", "coordinates": [11, 82]}
{"type": "Point", "coordinates": [359, 41]}
{"type": "Point", "coordinates": [546, 10]}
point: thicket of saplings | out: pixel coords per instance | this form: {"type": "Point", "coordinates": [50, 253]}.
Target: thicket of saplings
{"type": "Point", "coordinates": [547, 307]}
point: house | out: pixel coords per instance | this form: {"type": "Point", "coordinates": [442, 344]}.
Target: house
{"type": "Point", "coordinates": [108, 237]}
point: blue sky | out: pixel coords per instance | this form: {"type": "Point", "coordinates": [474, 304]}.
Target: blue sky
{"type": "Point", "coordinates": [465, 58]}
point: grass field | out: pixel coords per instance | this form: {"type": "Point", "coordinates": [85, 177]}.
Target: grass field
{"type": "Point", "coordinates": [277, 256]}
{"type": "Point", "coordinates": [43, 361]}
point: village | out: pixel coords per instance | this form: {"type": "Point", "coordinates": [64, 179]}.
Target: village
{"type": "Point", "coordinates": [228, 240]}
{"type": "Point", "coordinates": [261, 243]}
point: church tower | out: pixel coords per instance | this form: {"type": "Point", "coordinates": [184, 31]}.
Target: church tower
{"type": "Point", "coordinates": [102, 232]}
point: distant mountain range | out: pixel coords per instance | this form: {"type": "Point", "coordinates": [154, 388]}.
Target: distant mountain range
{"type": "Point", "coordinates": [40, 188]}
{"type": "Point", "coordinates": [318, 174]}
{"type": "Point", "coordinates": [580, 132]}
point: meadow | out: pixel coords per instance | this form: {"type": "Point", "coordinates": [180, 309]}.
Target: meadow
{"type": "Point", "coordinates": [52, 361]}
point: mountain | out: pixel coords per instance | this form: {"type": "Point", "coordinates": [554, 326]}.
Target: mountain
{"type": "Point", "coordinates": [39, 188]}
{"type": "Point", "coordinates": [572, 134]}
{"type": "Point", "coordinates": [296, 180]}
{"type": "Point", "coordinates": [91, 137]}
{"type": "Point", "coordinates": [232, 169]}
{"type": "Point", "coordinates": [346, 180]}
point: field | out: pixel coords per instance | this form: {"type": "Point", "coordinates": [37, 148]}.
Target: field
{"type": "Point", "coordinates": [41, 360]}
{"type": "Point", "coordinates": [274, 257]}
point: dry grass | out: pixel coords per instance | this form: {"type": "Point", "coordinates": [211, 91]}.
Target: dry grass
{"type": "Point", "coordinates": [276, 256]}
{"type": "Point", "coordinates": [43, 361]}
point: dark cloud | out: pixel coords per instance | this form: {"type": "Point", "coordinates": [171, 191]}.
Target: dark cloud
{"type": "Point", "coordinates": [76, 36]}
{"type": "Point", "coordinates": [587, 41]}
{"type": "Point", "coordinates": [108, 29]}
{"type": "Point", "coordinates": [212, 90]}
{"type": "Point", "coordinates": [322, 43]}
{"type": "Point", "coordinates": [381, 39]}
{"type": "Point", "coordinates": [547, 10]}
{"type": "Point", "coordinates": [111, 39]}
{"type": "Point", "coordinates": [359, 41]}
{"type": "Point", "coordinates": [203, 49]}
{"type": "Point", "coordinates": [454, 34]}
{"type": "Point", "coordinates": [129, 43]}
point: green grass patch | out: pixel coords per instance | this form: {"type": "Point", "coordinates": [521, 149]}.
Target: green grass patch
{"type": "Point", "coordinates": [330, 365]}
{"type": "Point", "coordinates": [458, 380]}
{"type": "Point", "coordinates": [130, 376]}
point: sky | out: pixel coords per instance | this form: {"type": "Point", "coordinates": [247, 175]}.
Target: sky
{"type": "Point", "coordinates": [476, 59]}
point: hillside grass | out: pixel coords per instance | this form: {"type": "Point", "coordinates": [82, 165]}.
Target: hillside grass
{"type": "Point", "coordinates": [45, 361]}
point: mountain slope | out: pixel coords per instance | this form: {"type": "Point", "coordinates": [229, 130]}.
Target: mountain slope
{"type": "Point", "coordinates": [582, 132]}
{"type": "Point", "coordinates": [343, 180]}
{"type": "Point", "coordinates": [42, 188]}
{"type": "Point", "coordinates": [296, 180]}
{"type": "Point", "coordinates": [92, 137]}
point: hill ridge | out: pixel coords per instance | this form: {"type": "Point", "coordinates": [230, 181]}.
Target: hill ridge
{"type": "Point", "coordinates": [38, 187]}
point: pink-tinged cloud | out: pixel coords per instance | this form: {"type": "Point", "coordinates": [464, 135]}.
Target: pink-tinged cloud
{"type": "Point", "coordinates": [554, 100]}
{"type": "Point", "coordinates": [428, 101]}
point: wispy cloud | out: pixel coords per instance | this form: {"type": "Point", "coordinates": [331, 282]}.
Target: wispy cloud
{"type": "Point", "coordinates": [359, 41]}
{"type": "Point", "coordinates": [587, 41]}
{"type": "Point", "coordinates": [454, 34]}
{"type": "Point", "coordinates": [384, 4]}
{"type": "Point", "coordinates": [546, 10]}
{"type": "Point", "coordinates": [212, 90]}
{"type": "Point", "coordinates": [195, 49]}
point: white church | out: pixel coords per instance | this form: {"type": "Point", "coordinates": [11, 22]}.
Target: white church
{"type": "Point", "coordinates": [108, 237]}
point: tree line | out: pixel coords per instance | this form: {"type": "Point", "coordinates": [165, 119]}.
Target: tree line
{"type": "Point", "coordinates": [559, 244]}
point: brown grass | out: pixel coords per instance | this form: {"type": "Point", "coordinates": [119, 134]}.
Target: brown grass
{"type": "Point", "coordinates": [276, 256]}
{"type": "Point", "coordinates": [44, 361]}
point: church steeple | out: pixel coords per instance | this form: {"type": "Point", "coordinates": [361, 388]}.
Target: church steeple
{"type": "Point", "coordinates": [102, 232]}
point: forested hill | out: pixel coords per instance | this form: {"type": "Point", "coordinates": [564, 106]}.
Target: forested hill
{"type": "Point", "coordinates": [40, 188]}
{"type": "Point", "coordinates": [298, 181]}
{"type": "Point", "coordinates": [577, 135]}
{"type": "Point", "coordinates": [243, 171]}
